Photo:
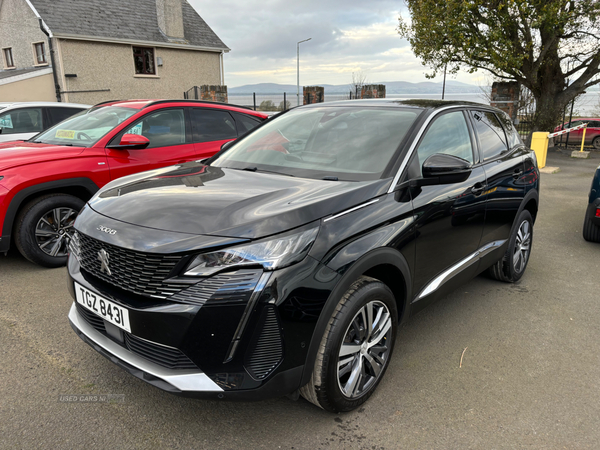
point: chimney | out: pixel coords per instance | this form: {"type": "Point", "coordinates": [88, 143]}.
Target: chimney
{"type": "Point", "coordinates": [170, 17]}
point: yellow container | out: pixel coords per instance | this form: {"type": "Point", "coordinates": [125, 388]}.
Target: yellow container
{"type": "Point", "coordinates": [539, 144]}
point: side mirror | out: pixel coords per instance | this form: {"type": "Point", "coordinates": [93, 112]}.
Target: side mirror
{"type": "Point", "coordinates": [446, 168]}
{"type": "Point", "coordinates": [132, 141]}
{"type": "Point", "coordinates": [226, 145]}
{"type": "Point", "coordinates": [0, 130]}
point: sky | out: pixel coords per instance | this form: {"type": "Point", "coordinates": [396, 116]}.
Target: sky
{"type": "Point", "coordinates": [346, 36]}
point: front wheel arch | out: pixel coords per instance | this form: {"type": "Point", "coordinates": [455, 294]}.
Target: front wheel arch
{"type": "Point", "coordinates": [371, 264]}
{"type": "Point", "coordinates": [82, 188]}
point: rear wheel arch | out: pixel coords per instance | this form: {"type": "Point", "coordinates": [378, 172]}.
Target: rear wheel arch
{"type": "Point", "coordinates": [384, 264]}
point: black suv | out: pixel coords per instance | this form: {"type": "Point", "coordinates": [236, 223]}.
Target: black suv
{"type": "Point", "coordinates": [286, 262]}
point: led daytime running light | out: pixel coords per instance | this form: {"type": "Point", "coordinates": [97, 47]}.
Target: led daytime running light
{"type": "Point", "coordinates": [272, 254]}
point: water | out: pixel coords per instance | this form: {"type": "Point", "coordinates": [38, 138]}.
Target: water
{"type": "Point", "coordinates": [586, 105]}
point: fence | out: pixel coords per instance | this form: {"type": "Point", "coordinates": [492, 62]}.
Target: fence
{"type": "Point", "coordinates": [526, 111]}
{"type": "Point", "coordinates": [275, 101]}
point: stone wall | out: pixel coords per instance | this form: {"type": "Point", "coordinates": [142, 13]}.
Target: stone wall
{"type": "Point", "coordinates": [313, 94]}
{"type": "Point", "coordinates": [213, 93]}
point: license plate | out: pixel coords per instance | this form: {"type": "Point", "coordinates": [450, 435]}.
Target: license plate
{"type": "Point", "coordinates": [109, 311]}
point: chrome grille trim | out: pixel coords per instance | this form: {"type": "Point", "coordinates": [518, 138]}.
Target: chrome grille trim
{"type": "Point", "coordinates": [136, 272]}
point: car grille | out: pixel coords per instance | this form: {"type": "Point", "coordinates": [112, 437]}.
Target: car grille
{"type": "Point", "coordinates": [136, 272]}
{"type": "Point", "coordinates": [91, 318]}
{"type": "Point", "coordinates": [266, 352]}
{"type": "Point", "coordinates": [169, 357]}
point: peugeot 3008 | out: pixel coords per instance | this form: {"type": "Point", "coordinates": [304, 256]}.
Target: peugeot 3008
{"type": "Point", "coordinates": [286, 262]}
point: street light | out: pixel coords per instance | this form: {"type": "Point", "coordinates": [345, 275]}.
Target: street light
{"type": "Point", "coordinates": [298, 69]}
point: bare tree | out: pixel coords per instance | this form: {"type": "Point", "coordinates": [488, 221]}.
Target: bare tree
{"type": "Point", "coordinates": [359, 79]}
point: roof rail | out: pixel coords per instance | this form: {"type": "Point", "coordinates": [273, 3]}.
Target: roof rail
{"type": "Point", "coordinates": [195, 101]}
{"type": "Point", "coordinates": [103, 103]}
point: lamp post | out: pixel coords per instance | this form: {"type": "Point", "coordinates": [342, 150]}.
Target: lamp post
{"type": "Point", "coordinates": [298, 69]}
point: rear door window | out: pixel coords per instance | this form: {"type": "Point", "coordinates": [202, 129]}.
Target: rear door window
{"type": "Point", "coordinates": [59, 114]}
{"type": "Point", "coordinates": [512, 134]}
{"type": "Point", "coordinates": [212, 125]}
{"type": "Point", "coordinates": [245, 122]}
{"type": "Point", "coordinates": [24, 120]}
{"type": "Point", "coordinates": [492, 140]}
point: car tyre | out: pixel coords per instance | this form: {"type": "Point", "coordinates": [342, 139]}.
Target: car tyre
{"type": "Point", "coordinates": [43, 226]}
{"type": "Point", "coordinates": [596, 143]}
{"type": "Point", "coordinates": [512, 265]}
{"type": "Point", "coordinates": [353, 357]}
{"type": "Point", "coordinates": [591, 231]}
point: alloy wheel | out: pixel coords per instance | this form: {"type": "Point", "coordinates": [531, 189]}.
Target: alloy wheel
{"type": "Point", "coordinates": [365, 349]}
{"type": "Point", "coordinates": [53, 229]}
{"type": "Point", "coordinates": [522, 247]}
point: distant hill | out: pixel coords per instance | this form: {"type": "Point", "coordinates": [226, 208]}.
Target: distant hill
{"type": "Point", "coordinates": [392, 87]}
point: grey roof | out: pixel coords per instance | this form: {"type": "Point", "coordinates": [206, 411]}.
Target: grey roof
{"type": "Point", "coordinates": [119, 19]}
{"type": "Point", "coordinates": [16, 72]}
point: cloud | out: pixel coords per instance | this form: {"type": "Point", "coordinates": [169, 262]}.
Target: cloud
{"type": "Point", "coordinates": [349, 36]}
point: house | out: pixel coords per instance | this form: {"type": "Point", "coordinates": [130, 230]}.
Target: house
{"type": "Point", "coordinates": [88, 51]}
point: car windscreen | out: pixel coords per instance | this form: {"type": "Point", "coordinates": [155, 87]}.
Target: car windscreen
{"type": "Point", "coordinates": [348, 143]}
{"type": "Point", "coordinates": [87, 127]}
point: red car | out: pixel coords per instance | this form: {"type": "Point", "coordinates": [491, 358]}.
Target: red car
{"type": "Point", "coordinates": [45, 181]}
{"type": "Point", "coordinates": [592, 134]}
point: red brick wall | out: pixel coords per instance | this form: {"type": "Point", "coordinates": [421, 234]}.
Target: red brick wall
{"type": "Point", "coordinates": [313, 94]}
{"type": "Point", "coordinates": [505, 96]}
{"type": "Point", "coordinates": [373, 91]}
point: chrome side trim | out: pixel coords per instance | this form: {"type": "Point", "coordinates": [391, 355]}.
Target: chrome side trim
{"type": "Point", "coordinates": [350, 210]}
{"type": "Point", "coordinates": [262, 282]}
{"type": "Point", "coordinates": [414, 144]}
{"type": "Point", "coordinates": [184, 380]}
{"type": "Point", "coordinates": [459, 267]}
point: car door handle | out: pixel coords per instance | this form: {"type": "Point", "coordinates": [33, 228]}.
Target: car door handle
{"type": "Point", "coordinates": [478, 188]}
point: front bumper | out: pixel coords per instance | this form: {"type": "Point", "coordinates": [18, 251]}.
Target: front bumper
{"type": "Point", "coordinates": [288, 306]}
{"type": "Point", "coordinates": [175, 381]}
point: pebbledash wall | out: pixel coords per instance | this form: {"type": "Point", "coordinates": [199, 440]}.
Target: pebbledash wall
{"type": "Point", "coordinates": [19, 29]}
{"type": "Point", "coordinates": [100, 65]}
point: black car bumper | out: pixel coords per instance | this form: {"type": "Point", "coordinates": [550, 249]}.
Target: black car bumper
{"type": "Point", "coordinates": [250, 349]}
{"type": "Point", "coordinates": [593, 207]}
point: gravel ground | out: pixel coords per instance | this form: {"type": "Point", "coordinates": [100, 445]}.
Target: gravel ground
{"type": "Point", "coordinates": [529, 377]}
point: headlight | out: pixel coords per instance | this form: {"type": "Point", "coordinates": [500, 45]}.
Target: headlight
{"type": "Point", "coordinates": [271, 254]}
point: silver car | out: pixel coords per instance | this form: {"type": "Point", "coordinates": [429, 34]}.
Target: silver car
{"type": "Point", "coordinates": [23, 120]}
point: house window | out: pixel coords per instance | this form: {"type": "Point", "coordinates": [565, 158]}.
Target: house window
{"type": "Point", "coordinates": [143, 58]}
{"type": "Point", "coordinates": [40, 53]}
{"type": "Point", "coordinates": [8, 58]}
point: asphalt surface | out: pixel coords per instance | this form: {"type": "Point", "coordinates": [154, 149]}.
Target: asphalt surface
{"type": "Point", "coordinates": [529, 377]}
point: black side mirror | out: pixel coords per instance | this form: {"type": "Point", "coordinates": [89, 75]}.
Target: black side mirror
{"type": "Point", "coordinates": [446, 168]}
{"type": "Point", "coordinates": [0, 130]}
